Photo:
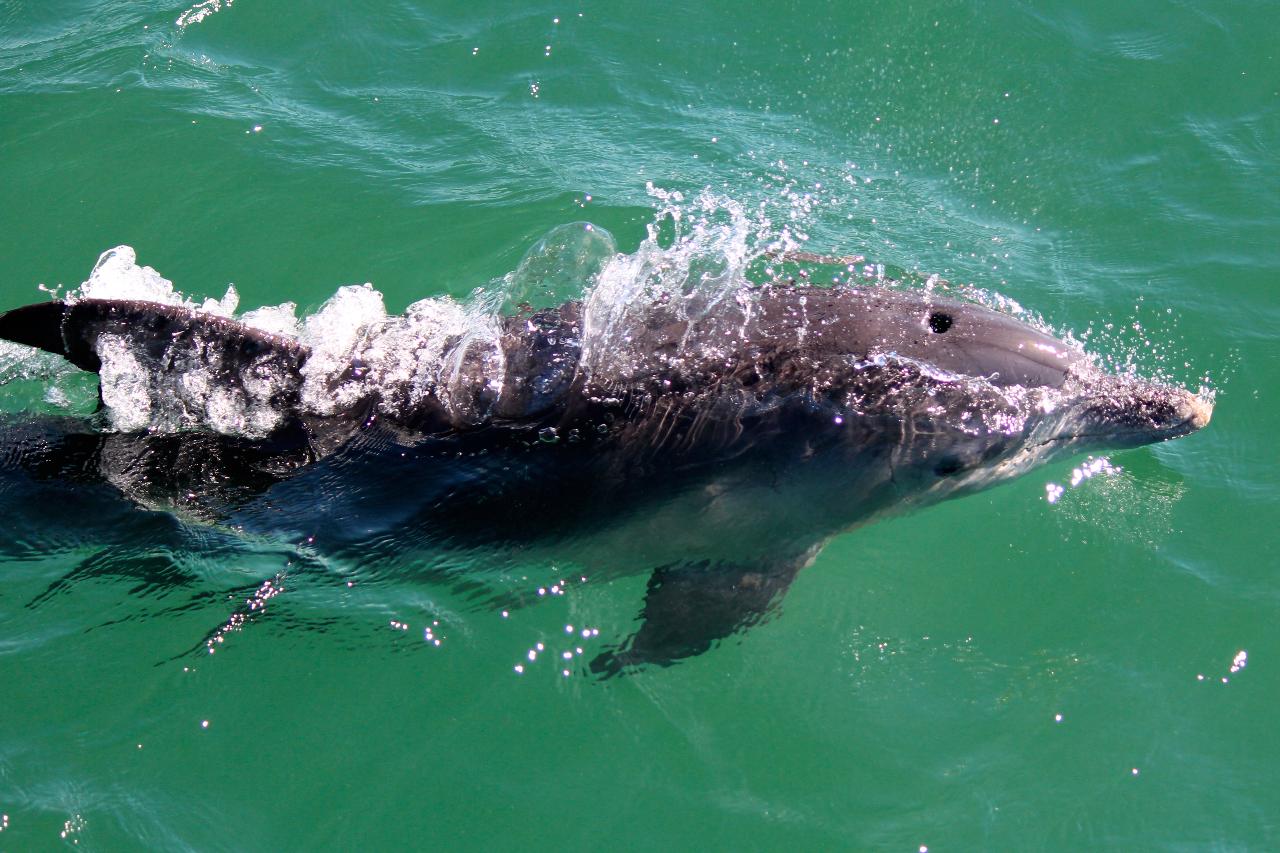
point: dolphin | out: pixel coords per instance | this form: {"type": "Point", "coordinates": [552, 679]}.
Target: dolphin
{"type": "Point", "coordinates": [650, 435]}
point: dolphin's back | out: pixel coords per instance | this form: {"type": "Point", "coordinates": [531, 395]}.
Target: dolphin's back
{"type": "Point", "coordinates": [177, 351]}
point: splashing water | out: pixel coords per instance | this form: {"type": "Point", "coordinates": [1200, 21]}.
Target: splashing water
{"type": "Point", "coordinates": [200, 11]}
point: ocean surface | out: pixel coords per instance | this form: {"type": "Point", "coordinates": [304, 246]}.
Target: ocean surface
{"type": "Point", "coordinates": [1001, 672]}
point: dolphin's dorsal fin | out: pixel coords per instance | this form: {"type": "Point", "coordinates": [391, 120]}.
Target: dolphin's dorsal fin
{"type": "Point", "coordinates": [40, 326]}
{"type": "Point", "coordinates": [71, 329]}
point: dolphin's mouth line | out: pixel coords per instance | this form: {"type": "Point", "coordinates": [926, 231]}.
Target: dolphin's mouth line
{"type": "Point", "coordinates": [1184, 427]}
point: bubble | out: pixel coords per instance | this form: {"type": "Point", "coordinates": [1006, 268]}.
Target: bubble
{"type": "Point", "coordinates": [560, 266]}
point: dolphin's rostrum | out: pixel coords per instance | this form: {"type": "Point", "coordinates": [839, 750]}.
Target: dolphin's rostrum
{"type": "Point", "coordinates": [668, 432]}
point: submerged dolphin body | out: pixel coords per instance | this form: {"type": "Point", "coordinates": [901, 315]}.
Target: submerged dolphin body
{"type": "Point", "coordinates": [723, 445]}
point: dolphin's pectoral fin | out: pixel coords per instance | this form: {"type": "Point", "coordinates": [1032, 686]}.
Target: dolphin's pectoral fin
{"type": "Point", "coordinates": [147, 571]}
{"type": "Point", "coordinates": [689, 607]}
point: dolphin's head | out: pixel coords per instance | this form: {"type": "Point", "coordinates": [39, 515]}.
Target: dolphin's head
{"type": "Point", "coordinates": [960, 338]}
{"type": "Point", "coordinates": [1093, 409]}
{"type": "Point", "coordinates": [923, 397]}
{"type": "Point", "coordinates": [952, 342]}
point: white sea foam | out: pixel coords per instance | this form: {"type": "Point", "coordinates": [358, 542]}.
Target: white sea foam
{"type": "Point", "coordinates": [118, 276]}
{"type": "Point", "coordinates": [126, 394]}
{"type": "Point", "coordinates": [279, 319]}
{"type": "Point", "coordinates": [333, 333]}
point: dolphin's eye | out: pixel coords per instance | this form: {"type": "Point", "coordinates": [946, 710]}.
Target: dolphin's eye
{"type": "Point", "coordinates": [939, 322]}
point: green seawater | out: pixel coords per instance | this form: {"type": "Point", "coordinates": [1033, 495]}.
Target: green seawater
{"type": "Point", "coordinates": [999, 672]}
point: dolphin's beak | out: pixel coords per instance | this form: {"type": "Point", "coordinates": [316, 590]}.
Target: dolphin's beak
{"type": "Point", "coordinates": [1125, 411]}
{"type": "Point", "coordinates": [1200, 412]}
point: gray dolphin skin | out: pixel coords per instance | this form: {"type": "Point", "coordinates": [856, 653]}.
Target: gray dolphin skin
{"type": "Point", "coordinates": [648, 437]}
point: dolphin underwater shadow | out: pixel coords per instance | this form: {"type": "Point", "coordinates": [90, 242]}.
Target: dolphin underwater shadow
{"type": "Point", "coordinates": [655, 434]}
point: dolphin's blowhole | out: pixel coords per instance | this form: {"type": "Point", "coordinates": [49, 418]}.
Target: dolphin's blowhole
{"type": "Point", "coordinates": [940, 322]}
